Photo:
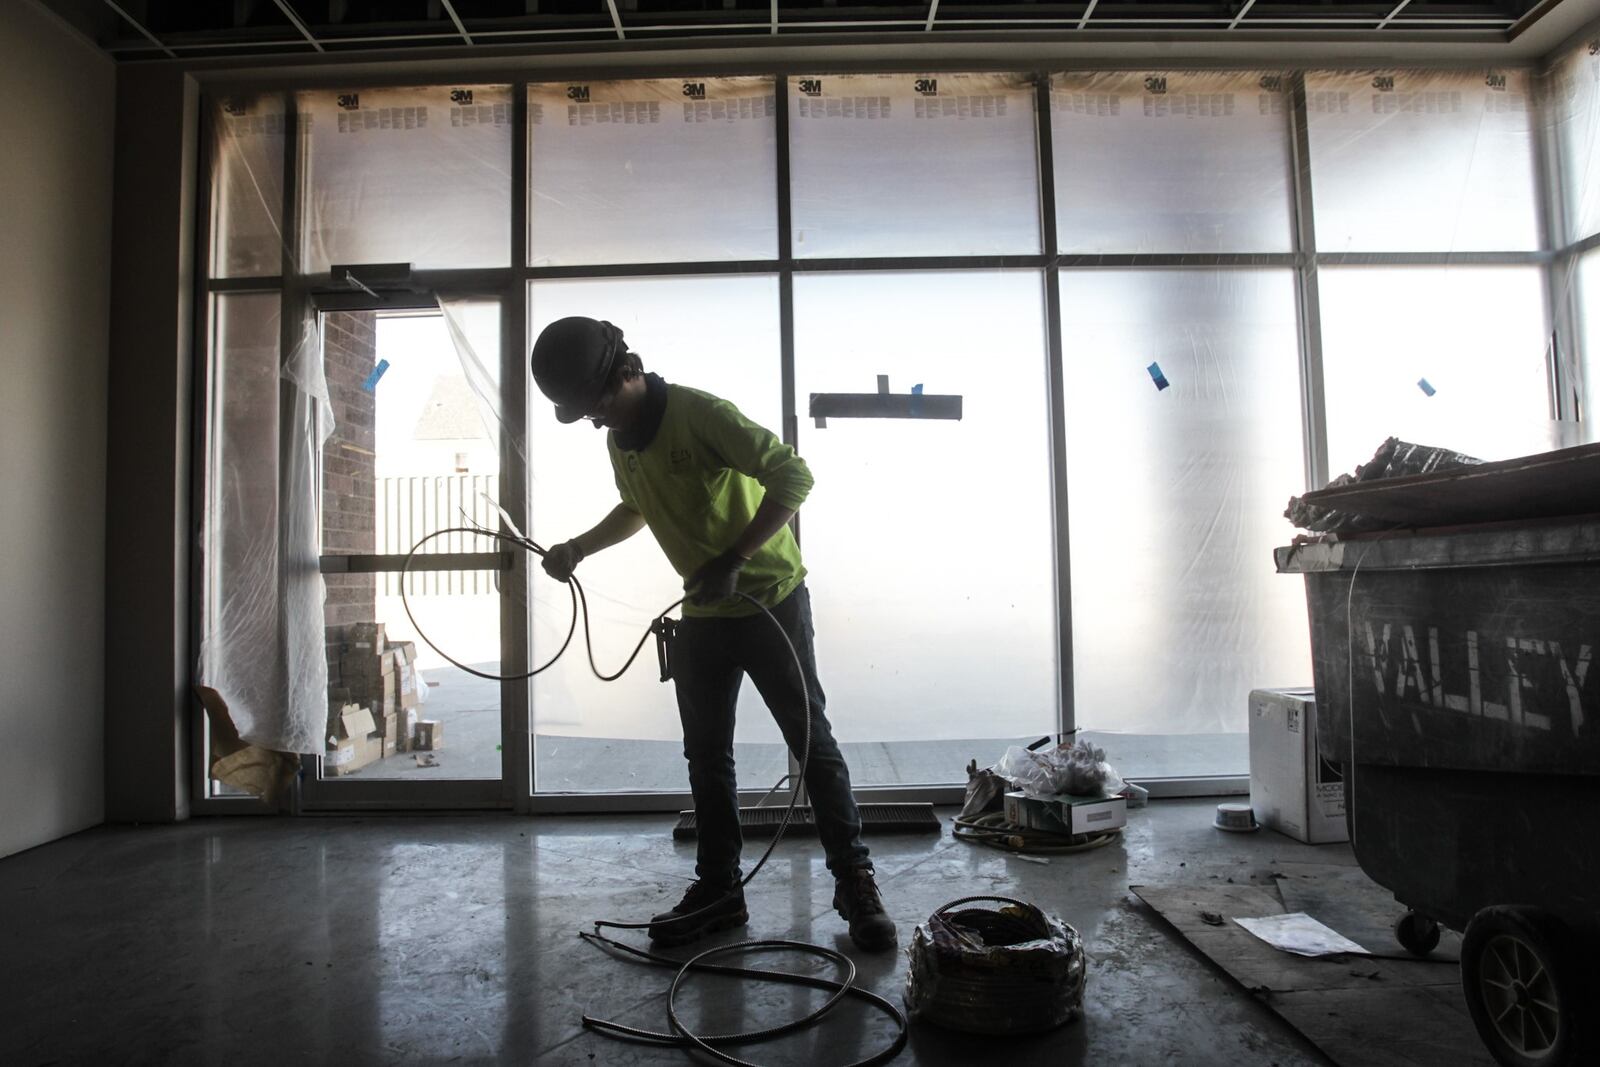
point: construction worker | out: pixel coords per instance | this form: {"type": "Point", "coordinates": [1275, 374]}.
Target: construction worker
{"type": "Point", "coordinates": [717, 491]}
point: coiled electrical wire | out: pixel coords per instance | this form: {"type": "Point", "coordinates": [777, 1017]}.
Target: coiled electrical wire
{"type": "Point", "coordinates": [1010, 971]}
{"type": "Point", "coordinates": [993, 830]}
{"type": "Point", "coordinates": [681, 1035]}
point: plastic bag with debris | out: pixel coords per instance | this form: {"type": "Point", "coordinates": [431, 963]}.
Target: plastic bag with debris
{"type": "Point", "coordinates": [1074, 767]}
{"type": "Point", "coordinates": [985, 791]}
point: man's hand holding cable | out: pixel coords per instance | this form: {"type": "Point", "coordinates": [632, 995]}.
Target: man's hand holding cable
{"type": "Point", "coordinates": [717, 579]}
{"type": "Point", "coordinates": [563, 559]}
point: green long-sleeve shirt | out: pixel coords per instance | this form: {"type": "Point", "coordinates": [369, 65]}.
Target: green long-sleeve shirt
{"type": "Point", "coordinates": [698, 483]}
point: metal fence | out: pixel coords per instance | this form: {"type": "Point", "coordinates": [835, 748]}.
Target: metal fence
{"type": "Point", "coordinates": [413, 506]}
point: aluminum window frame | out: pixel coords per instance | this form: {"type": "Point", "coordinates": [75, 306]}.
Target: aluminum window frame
{"type": "Point", "coordinates": [510, 285]}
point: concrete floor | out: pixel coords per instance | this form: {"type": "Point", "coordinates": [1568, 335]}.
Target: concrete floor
{"type": "Point", "coordinates": [452, 939]}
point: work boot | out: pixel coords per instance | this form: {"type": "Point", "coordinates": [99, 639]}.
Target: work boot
{"type": "Point", "coordinates": [856, 899]}
{"type": "Point", "coordinates": [710, 907]}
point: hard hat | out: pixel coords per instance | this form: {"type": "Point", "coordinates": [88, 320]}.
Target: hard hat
{"type": "Point", "coordinates": [572, 362]}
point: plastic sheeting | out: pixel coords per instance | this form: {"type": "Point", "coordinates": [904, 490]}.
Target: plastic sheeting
{"type": "Point", "coordinates": [1172, 161]}
{"type": "Point", "coordinates": [1573, 106]}
{"type": "Point", "coordinates": [1588, 281]}
{"type": "Point", "coordinates": [1423, 161]}
{"type": "Point", "coordinates": [419, 176]}
{"type": "Point", "coordinates": [913, 165]}
{"type": "Point", "coordinates": [247, 175]}
{"type": "Point", "coordinates": [262, 646]}
{"type": "Point", "coordinates": [929, 542]}
{"type": "Point", "coordinates": [473, 324]}
{"type": "Point", "coordinates": [1476, 335]}
{"type": "Point", "coordinates": [1176, 494]}
{"type": "Point", "coordinates": [652, 171]}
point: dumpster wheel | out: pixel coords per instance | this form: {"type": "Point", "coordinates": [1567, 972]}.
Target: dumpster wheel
{"type": "Point", "coordinates": [1523, 990]}
{"type": "Point", "coordinates": [1417, 934]}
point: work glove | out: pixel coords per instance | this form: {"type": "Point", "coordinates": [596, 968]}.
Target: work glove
{"type": "Point", "coordinates": [562, 560]}
{"type": "Point", "coordinates": [716, 580]}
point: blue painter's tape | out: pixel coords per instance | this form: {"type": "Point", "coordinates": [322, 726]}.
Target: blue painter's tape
{"type": "Point", "coordinates": [377, 372]}
{"type": "Point", "coordinates": [1157, 377]}
{"type": "Point", "coordinates": [916, 401]}
{"type": "Point", "coordinates": [1422, 383]}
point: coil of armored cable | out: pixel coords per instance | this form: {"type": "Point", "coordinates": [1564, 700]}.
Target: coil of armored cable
{"type": "Point", "coordinates": [1007, 970]}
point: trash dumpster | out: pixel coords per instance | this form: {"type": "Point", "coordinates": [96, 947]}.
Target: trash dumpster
{"type": "Point", "coordinates": [1456, 683]}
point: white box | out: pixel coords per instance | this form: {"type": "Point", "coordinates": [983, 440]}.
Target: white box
{"type": "Point", "coordinates": [1066, 814]}
{"type": "Point", "coordinates": [1292, 788]}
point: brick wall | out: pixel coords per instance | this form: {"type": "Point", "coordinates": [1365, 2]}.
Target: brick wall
{"type": "Point", "coordinates": [348, 479]}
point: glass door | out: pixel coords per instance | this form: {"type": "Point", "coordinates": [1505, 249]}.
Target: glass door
{"type": "Point", "coordinates": [717, 333]}
{"type": "Point", "coordinates": [412, 466]}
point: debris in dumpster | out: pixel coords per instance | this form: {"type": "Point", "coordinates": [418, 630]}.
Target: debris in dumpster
{"type": "Point", "coordinates": [1558, 484]}
{"type": "Point", "coordinates": [1393, 459]}
{"type": "Point", "coordinates": [1008, 970]}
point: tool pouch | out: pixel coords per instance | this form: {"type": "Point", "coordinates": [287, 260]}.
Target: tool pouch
{"type": "Point", "coordinates": [664, 629]}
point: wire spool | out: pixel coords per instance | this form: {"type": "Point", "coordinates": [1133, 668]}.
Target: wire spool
{"type": "Point", "coordinates": [1011, 970]}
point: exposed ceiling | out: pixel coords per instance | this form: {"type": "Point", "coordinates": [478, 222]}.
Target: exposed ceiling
{"type": "Point", "coordinates": [134, 30]}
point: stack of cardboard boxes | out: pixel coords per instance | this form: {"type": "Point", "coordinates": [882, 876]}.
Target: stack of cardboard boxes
{"type": "Point", "coordinates": [372, 712]}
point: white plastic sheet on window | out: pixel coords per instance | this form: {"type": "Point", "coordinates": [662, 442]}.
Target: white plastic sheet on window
{"type": "Point", "coordinates": [1176, 495]}
{"type": "Point", "coordinates": [929, 541]}
{"type": "Point", "coordinates": [1172, 161]}
{"type": "Point", "coordinates": [262, 643]}
{"type": "Point", "coordinates": [652, 171]}
{"type": "Point", "coordinates": [419, 176]}
{"type": "Point", "coordinates": [1473, 336]}
{"type": "Point", "coordinates": [913, 165]}
{"type": "Point", "coordinates": [1588, 302]}
{"type": "Point", "coordinates": [1573, 105]}
{"type": "Point", "coordinates": [719, 334]}
{"type": "Point", "coordinates": [247, 186]}
{"type": "Point", "coordinates": [1423, 161]}
{"type": "Point", "coordinates": [473, 324]}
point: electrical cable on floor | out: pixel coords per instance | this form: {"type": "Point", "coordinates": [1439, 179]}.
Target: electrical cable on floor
{"type": "Point", "coordinates": [993, 830]}
{"type": "Point", "coordinates": [682, 1036]}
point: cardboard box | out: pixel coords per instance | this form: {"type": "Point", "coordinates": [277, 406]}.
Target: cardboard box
{"type": "Point", "coordinates": [369, 634]}
{"type": "Point", "coordinates": [360, 667]}
{"type": "Point", "coordinates": [408, 686]}
{"type": "Point", "coordinates": [390, 725]}
{"type": "Point", "coordinates": [1292, 788]}
{"type": "Point", "coordinates": [1066, 814]}
{"type": "Point", "coordinates": [354, 744]}
{"type": "Point", "coordinates": [408, 728]}
{"type": "Point", "coordinates": [429, 736]}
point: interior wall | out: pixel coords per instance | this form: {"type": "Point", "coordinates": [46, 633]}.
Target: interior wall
{"type": "Point", "coordinates": [149, 420]}
{"type": "Point", "coordinates": [54, 294]}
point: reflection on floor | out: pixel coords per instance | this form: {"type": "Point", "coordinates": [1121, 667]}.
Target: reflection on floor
{"type": "Point", "coordinates": [452, 940]}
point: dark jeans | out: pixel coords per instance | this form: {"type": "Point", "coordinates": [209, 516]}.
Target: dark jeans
{"type": "Point", "coordinates": [709, 658]}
